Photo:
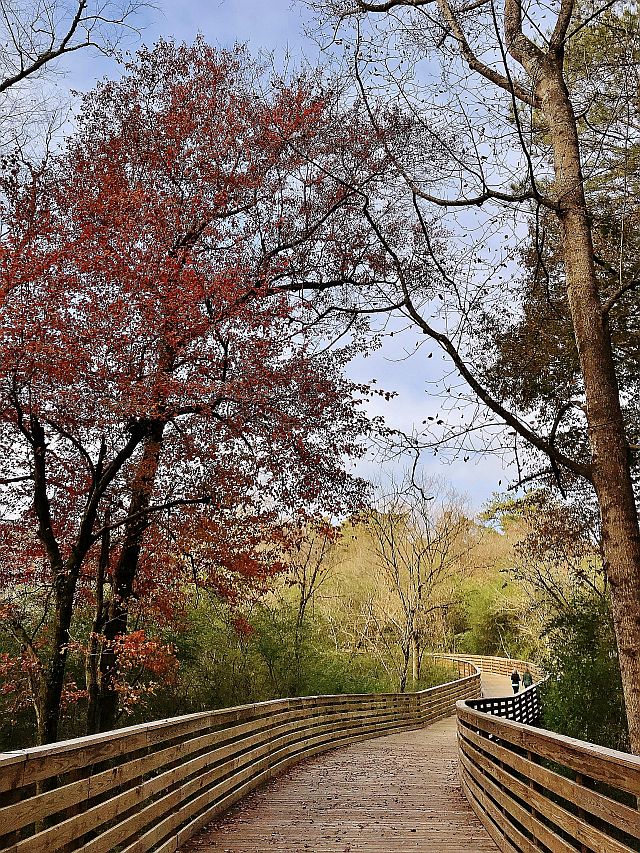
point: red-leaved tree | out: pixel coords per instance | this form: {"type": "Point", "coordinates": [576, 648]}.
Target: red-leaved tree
{"type": "Point", "coordinates": [165, 404]}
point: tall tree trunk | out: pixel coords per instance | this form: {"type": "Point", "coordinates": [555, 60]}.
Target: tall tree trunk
{"type": "Point", "coordinates": [65, 576]}
{"type": "Point", "coordinates": [406, 661]}
{"type": "Point", "coordinates": [609, 447]}
{"type": "Point", "coordinates": [298, 637]}
{"type": "Point", "coordinates": [54, 680]}
{"type": "Point", "coordinates": [65, 572]}
{"type": "Point", "coordinates": [124, 573]}
{"type": "Point", "coordinates": [94, 646]}
{"type": "Point", "coordinates": [404, 675]}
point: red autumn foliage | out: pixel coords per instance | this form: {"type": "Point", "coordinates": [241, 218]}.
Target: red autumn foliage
{"type": "Point", "coordinates": [166, 403]}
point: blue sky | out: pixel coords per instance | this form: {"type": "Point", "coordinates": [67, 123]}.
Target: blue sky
{"type": "Point", "coordinates": [278, 27]}
{"type": "Point", "coordinates": [271, 26]}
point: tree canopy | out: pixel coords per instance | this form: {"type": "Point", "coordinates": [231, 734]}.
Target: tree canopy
{"type": "Point", "coordinates": [164, 411]}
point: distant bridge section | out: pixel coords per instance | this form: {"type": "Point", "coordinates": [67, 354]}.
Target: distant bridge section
{"type": "Point", "coordinates": [494, 665]}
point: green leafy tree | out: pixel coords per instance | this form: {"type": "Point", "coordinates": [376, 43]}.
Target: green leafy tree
{"type": "Point", "coordinates": [583, 696]}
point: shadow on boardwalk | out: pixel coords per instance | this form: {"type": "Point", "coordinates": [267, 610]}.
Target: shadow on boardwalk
{"type": "Point", "coordinates": [394, 793]}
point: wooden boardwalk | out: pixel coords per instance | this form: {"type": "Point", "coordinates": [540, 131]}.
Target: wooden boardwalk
{"type": "Point", "coordinates": [386, 795]}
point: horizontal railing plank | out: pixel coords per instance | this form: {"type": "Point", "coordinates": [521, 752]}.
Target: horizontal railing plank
{"type": "Point", "coordinates": [513, 809]}
{"type": "Point", "coordinates": [530, 786]}
{"type": "Point", "coordinates": [147, 788]}
{"type": "Point", "coordinates": [618, 769]}
{"type": "Point", "coordinates": [619, 815]}
{"type": "Point", "coordinates": [501, 830]}
{"type": "Point", "coordinates": [542, 803]}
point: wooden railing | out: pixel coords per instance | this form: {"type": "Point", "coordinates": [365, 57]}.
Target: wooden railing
{"type": "Point", "coordinates": [539, 791]}
{"type": "Point", "coordinates": [150, 787]}
{"type": "Point", "coordinates": [495, 665]}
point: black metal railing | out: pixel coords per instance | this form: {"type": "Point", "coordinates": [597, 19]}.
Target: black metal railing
{"type": "Point", "coordinates": [523, 707]}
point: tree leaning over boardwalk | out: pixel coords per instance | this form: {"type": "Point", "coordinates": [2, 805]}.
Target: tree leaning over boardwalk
{"type": "Point", "coordinates": [517, 58]}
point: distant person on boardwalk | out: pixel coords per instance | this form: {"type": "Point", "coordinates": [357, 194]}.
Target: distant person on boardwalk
{"type": "Point", "coordinates": [527, 678]}
{"type": "Point", "coordinates": [515, 680]}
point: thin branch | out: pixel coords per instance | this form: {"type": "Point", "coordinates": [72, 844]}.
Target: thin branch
{"type": "Point", "coordinates": [29, 65]}
{"type": "Point", "coordinates": [74, 441]}
{"type": "Point", "coordinates": [521, 48]}
{"type": "Point", "coordinates": [447, 345]}
{"type": "Point", "coordinates": [204, 500]}
{"type": "Point", "coordinates": [391, 4]}
{"type": "Point", "coordinates": [590, 18]}
{"type": "Point", "coordinates": [558, 37]}
{"type": "Point", "coordinates": [615, 296]}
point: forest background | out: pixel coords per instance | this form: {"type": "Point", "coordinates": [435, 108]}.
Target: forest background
{"type": "Point", "coordinates": [182, 525]}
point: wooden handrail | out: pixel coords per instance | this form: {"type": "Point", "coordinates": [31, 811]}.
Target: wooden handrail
{"type": "Point", "coordinates": [150, 787]}
{"type": "Point", "coordinates": [535, 790]}
{"type": "Point", "coordinates": [495, 665]}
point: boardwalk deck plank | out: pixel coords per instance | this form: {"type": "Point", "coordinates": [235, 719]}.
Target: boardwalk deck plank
{"type": "Point", "coordinates": [395, 793]}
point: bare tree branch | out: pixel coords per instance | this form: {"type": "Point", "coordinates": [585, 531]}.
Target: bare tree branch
{"type": "Point", "coordinates": [34, 40]}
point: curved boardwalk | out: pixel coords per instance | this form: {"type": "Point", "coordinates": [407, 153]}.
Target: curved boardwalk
{"type": "Point", "coordinates": [389, 794]}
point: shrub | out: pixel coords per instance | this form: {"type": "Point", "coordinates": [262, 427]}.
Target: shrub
{"type": "Point", "coordinates": [583, 696]}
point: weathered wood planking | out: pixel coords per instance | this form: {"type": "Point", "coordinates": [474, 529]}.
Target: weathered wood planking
{"type": "Point", "coordinates": [495, 665]}
{"type": "Point", "coordinates": [394, 794]}
{"type": "Point", "coordinates": [147, 788]}
{"type": "Point", "coordinates": [536, 790]}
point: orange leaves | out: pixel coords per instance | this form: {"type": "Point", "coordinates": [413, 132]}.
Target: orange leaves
{"type": "Point", "coordinates": [142, 665]}
{"type": "Point", "coordinates": [243, 627]}
{"type": "Point", "coordinates": [71, 694]}
{"type": "Point", "coordinates": [16, 671]}
{"type": "Point", "coordinates": [136, 650]}
{"type": "Point", "coordinates": [156, 337]}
